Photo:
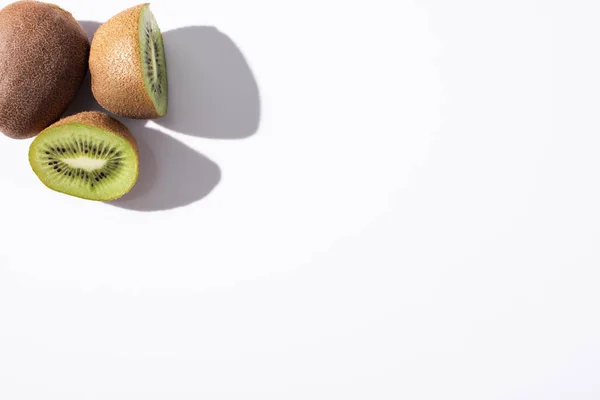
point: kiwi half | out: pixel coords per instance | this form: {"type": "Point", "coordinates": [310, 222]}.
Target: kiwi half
{"type": "Point", "coordinates": [128, 65]}
{"type": "Point", "coordinates": [88, 155]}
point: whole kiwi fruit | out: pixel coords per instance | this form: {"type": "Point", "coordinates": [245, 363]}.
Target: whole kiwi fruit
{"type": "Point", "coordinates": [128, 65]}
{"type": "Point", "coordinates": [43, 60]}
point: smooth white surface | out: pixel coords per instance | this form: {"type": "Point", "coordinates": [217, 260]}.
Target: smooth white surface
{"type": "Point", "coordinates": [416, 217]}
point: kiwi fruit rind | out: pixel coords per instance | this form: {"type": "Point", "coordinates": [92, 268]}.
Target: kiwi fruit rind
{"type": "Point", "coordinates": [128, 65]}
{"type": "Point", "coordinates": [43, 61]}
{"type": "Point", "coordinates": [88, 155]}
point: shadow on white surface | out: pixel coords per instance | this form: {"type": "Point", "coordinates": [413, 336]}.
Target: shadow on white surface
{"type": "Point", "coordinates": [212, 91]}
{"type": "Point", "coordinates": [172, 175]}
{"type": "Point", "coordinates": [90, 28]}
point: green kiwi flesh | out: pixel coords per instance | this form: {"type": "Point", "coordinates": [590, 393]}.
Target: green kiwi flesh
{"type": "Point", "coordinates": [154, 65]}
{"type": "Point", "coordinates": [84, 161]}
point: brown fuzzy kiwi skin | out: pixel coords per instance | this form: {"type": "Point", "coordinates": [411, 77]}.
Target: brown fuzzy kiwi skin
{"type": "Point", "coordinates": [43, 61]}
{"type": "Point", "coordinates": [104, 122]}
{"type": "Point", "coordinates": [116, 67]}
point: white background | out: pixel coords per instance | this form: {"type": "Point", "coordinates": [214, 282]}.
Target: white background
{"type": "Point", "coordinates": [348, 200]}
